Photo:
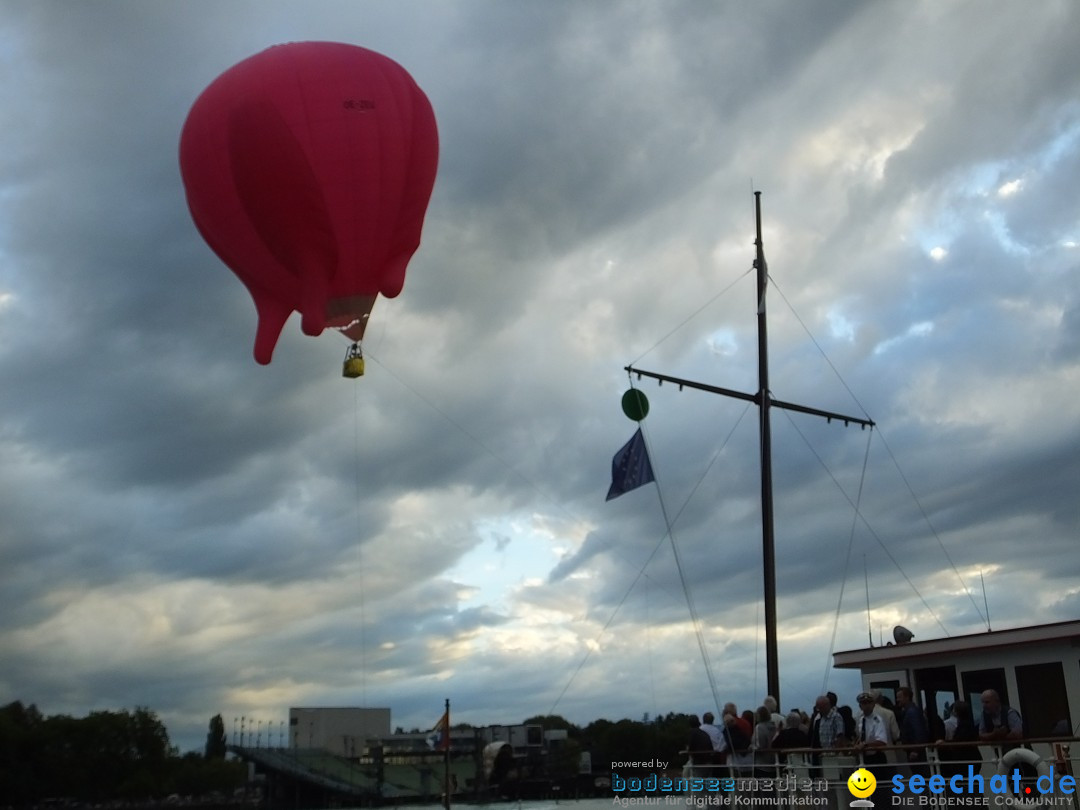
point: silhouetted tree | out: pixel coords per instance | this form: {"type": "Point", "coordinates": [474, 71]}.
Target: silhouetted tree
{"type": "Point", "coordinates": [102, 757]}
{"type": "Point", "coordinates": [630, 740]}
{"type": "Point", "coordinates": [20, 752]}
{"type": "Point", "coordinates": [551, 722]}
{"type": "Point", "coordinates": [215, 738]}
{"type": "Point", "coordinates": [195, 775]}
{"type": "Point", "coordinates": [565, 759]}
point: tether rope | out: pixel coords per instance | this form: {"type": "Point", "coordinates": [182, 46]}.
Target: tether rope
{"type": "Point", "coordinates": [472, 436]}
{"type": "Point", "coordinates": [359, 544]}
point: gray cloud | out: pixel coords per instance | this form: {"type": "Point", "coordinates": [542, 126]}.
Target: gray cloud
{"type": "Point", "coordinates": [242, 539]}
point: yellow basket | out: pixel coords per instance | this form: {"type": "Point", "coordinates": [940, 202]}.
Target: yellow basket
{"type": "Point", "coordinates": [353, 368]}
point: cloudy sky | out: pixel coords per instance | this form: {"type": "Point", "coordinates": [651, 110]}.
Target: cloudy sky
{"type": "Point", "coordinates": [183, 529]}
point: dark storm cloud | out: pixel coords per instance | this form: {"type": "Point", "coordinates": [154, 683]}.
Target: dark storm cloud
{"type": "Point", "coordinates": [251, 538]}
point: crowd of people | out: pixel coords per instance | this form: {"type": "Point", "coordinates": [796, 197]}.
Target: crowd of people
{"type": "Point", "coordinates": [753, 743]}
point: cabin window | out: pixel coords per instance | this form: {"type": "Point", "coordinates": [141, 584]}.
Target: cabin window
{"type": "Point", "coordinates": [978, 681]}
{"type": "Point", "coordinates": [936, 687]}
{"type": "Point", "coordinates": [887, 688]}
{"type": "Point", "coordinates": [1044, 704]}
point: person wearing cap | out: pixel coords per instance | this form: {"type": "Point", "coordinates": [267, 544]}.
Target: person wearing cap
{"type": "Point", "coordinates": [872, 734]}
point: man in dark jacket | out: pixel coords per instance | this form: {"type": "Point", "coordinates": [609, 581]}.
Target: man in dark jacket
{"type": "Point", "coordinates": [913, 730]}
{"type": "Point", "coordinates": [999, 722]}
{"type": "Point", "coordinates": [700, 746]}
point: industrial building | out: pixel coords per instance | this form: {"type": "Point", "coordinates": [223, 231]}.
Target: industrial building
{"type": "Point", "coordinates": [342, 731]}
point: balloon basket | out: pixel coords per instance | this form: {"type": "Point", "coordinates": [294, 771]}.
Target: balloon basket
{"type": "Point", "coordinates": [354, 363]}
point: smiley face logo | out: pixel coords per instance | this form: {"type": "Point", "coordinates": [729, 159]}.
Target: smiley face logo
{"type": "Point", "coordinates": [861, 783]}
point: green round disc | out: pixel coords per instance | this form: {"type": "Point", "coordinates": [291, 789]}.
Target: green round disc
{"type": "Point", "coordinates": [635, 405]}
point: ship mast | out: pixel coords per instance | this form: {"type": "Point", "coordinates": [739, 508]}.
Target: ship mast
{"type": "Point", "coordinates": [763, 399]}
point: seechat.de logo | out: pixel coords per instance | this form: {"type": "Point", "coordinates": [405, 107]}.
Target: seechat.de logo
{"type": "Point", "coordinates": [862, 784]}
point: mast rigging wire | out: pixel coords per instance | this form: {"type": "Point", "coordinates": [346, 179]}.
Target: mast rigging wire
{"type": "Point", "coordinates": [870, 528]}
{"type": "Point", "coordinates": [691, 316]}
{"type": "Point", "coordinates": [847, 562]}
{"type": "Point", "coordinates": [648, 561]}
{"type": "Point", "coordinates": [888, 449]}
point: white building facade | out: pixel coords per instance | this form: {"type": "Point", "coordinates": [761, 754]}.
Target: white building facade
{"type": "Point", "coordinates": [341, 731]}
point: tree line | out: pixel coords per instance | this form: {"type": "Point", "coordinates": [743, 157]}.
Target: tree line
{"type": "Point", "coordinates": [104, 756]}
{"type": "Point", "coordinates": [662, 738]}
{"type": "Point", "coordinates": [126, 755]}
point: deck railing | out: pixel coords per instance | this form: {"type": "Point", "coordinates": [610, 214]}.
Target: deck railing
{"type": "Point", "coordinates": [808, 777]}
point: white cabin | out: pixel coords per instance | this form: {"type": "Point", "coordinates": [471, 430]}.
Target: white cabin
{"type": "Point", "coordinates": [1035, 670]}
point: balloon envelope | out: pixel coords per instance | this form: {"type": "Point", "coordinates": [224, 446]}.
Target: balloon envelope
{"type": "Point", "coordinates": [308, 169]}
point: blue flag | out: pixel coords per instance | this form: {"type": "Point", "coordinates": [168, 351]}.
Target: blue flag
{"type": "Point", "coordinates": [630, 468]}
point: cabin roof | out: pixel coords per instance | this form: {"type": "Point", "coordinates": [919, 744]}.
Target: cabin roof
{"type": "Point", "coordinates": [1032, 634]}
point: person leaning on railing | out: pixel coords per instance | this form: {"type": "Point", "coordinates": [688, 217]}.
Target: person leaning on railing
{"type": "Point", "coordinates": [913, 730]}
{"type": "Point", "coordinates": [740, 759]}
{"type": "Point", "coordinates": [999, 722]}
{"type": "Point", "coordinates": [702, 756]}
{"type": "Point", "coordinates": [790, 736]}
{"type": "Point", "coordinates": [872, 735]}
{"type": "Point", "coordinates": [764, 732]}
{"type": "Point", "coordinates": [826, 731]}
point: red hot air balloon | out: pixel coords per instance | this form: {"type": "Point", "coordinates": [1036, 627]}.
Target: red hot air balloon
{"type": "Point", "coordinates": [308, 168]}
